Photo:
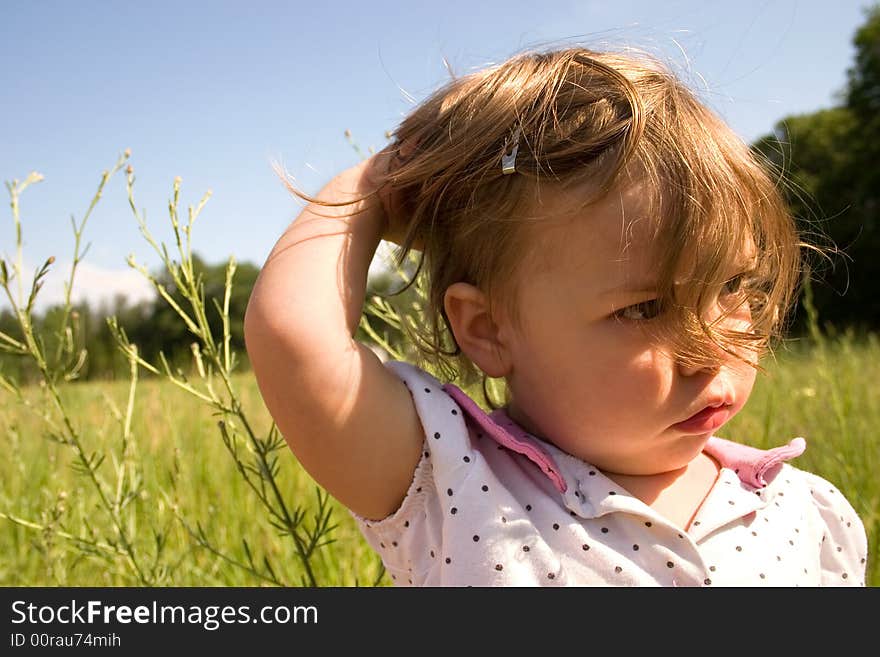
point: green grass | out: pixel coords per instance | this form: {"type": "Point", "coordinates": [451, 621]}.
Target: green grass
{"type": "Point", "coordinates": [825, 394]}
{"type": "Point", "coordinates": [183, 462]}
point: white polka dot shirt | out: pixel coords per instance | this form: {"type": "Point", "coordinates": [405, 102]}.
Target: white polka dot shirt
{"type": "Point", "coordinates": [491, 505]}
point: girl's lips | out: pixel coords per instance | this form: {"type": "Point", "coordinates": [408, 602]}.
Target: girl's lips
{"type": "Point", "coordinates": [707, 420]}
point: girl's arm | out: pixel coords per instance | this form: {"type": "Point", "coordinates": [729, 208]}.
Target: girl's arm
{"type": "Point", "coordinates": [350, 421]}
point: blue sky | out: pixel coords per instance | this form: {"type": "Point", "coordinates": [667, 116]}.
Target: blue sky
{"type": "Point", "coordinates": [214, 92]}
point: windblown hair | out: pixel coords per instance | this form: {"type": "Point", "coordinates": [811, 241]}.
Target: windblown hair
{"type": "Point", "coordinates": [589, 120]}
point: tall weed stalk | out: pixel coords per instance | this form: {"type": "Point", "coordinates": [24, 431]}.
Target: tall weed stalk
{"type": "Point", "coordinates": [255, 456]}
{"type": "Point", "coordinates": [139, 550]}
{"type": "Point", "coordinates": [116, 489]}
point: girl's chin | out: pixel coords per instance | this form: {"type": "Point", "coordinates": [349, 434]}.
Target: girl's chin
{"type": "Point", "coordinates": [673, 458]}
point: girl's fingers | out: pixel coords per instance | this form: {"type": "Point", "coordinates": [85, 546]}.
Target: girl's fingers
{"type": "Point", "coordinates": [407, 148]}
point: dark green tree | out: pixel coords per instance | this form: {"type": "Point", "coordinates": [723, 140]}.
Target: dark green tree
{"type": "Point", "coordinates": [162, 329]}
{"type": "Point", "coordinates": [832, 161]}
{"type": "Point", "coordinates": [152, 325]}
{"type": "Point", "coordinates": [863, 101]}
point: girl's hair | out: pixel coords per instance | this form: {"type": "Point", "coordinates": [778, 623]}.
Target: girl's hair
{"type": "Point", "coordinates": [590, 120]}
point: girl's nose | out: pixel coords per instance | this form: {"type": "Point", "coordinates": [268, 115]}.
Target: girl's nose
{"type": "Point", "coordinates": [718, 357]}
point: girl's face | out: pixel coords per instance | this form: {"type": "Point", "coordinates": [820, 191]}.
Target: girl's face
{"type": "Point", "coordinates": [585, 376]}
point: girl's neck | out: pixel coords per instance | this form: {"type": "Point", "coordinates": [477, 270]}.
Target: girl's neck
{"type": "Point", "coordinates": [677, 494]}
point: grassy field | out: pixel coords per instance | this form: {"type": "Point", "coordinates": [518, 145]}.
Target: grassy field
{"type": "Point", "coordinates": [824, 393]}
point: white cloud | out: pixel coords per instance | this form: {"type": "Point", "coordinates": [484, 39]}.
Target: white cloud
{"type": "Point", "coordinates": [98, 285]}
{"type": "Point", "coordinates": [93, 284]}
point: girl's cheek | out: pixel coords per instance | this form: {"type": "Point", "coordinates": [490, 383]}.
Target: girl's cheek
{"type": "Point", "coordinates": [743, 315]}
{"type": "Point", "coordinates": [651, 365]}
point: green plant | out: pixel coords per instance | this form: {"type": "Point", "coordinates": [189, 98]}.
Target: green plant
{"type": "Point", "coordinates": [308, 527]}
{"type": "Point", "coordinates": [115, 493]}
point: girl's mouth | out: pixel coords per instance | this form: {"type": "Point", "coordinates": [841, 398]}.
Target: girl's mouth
{"type": "Point", "coordinates": [706, 421]}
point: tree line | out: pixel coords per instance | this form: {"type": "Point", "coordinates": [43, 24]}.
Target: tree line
{"type": "Point", "coordinates": [152, 325]}
{"type": "Point", "coordinates": [832, 159]}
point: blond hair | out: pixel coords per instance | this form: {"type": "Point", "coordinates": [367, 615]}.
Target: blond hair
{"type": "Point", "coordinates": [589, 117]}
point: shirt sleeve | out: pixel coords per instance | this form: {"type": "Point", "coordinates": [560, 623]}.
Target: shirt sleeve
{"type": "Point", "coordinates": [403, 538]}
{"type": "Point", "coordinates": [844, 549]}
{"type": "Point", "coordinates": [410, 540]}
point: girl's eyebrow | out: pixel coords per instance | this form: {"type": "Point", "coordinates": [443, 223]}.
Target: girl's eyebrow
{"type": "Point", "coordinates": [747, 266]}
{"type": "Point", "coordinates": [626, 288]}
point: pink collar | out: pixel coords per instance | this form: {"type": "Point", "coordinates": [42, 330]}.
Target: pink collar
{"type": "Point", "coordinates": [755, 467]}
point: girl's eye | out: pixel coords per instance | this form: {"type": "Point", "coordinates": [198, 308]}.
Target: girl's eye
{"type": "Point", "coordinates": [640, 311]}
{"type": "Point", "coordinates": [734, 285]}
{"type": "Point", "coordinates": [739, 285]}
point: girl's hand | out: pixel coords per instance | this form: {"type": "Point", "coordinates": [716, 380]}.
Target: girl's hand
{"type": "Point", "coordinates": [377, 171]}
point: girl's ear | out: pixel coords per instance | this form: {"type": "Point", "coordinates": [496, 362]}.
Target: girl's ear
{"type": "Point", "coordinates": [477, 333]}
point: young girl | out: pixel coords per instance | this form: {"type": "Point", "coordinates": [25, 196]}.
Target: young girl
{"type": "Point", "coordinates": [603, 243]}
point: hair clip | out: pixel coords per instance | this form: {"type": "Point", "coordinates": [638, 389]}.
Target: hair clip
{"type": "Point", "coordinates": [508, 159]}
